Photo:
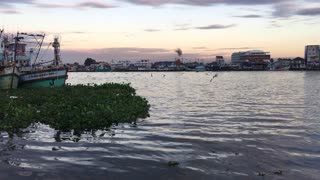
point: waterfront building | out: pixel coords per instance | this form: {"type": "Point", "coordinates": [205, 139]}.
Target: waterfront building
{"type": "Point", "coordinates": [251, 60]}
{"type": "Point", "coordinates": [312, 55]}
{"type": "Point", "coordinates": [220, 61]}
{"type": "Point", "coordinates": [213, 66]}
{"type": "Point", "coordinates": [282, 64]}
{"type": "Point", "coordinates": [165, 65]}
{"type": "Point", "coordinates": [285, 64]}
{"type": "Point", "coordinates": [142, 65]}
{"type": "Point", "coordinates": [120, 65]}
{"type": "Point", "coordinates": [102, 67]}
{"type": "Point", "coordinates": [298, 63]}
{"type": "Point", "coordinates": [250, 56]}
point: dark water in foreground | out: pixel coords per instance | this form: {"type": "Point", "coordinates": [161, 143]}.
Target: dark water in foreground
{"type": "Point", "coordinates": [235, 127]}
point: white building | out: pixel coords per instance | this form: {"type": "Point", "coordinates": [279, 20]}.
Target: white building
{"type": "Point", "coordinates": [250, 56]}
{"type": "Point", "coordinates": [143, 64]}
{"type": "Point", "coordinates": [312, 54]}
{"type": "Point", "coordinates": [120, 65]}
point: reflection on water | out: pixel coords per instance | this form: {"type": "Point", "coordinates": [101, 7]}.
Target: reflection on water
{"type": "Point", "coordinates": [236, 126]}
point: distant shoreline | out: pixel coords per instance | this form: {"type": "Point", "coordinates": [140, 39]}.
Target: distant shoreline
{"type": "Point", "coordinates": [197, 71]}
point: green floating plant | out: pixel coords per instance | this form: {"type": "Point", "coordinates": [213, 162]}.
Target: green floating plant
{"type": "Point", "coordinates": [79, 108]}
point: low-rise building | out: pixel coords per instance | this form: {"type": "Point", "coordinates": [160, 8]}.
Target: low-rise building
{"type": "Point", "coordinates": [120, 65]}
{"type": "Point", "coordinates": [298, 63]}
{"type": "Point", "coordinates": [165, 65]}
{"type": "Point", "coordinates": [143, 65]}
{"type": "Point", "coordinates": [220, 61]}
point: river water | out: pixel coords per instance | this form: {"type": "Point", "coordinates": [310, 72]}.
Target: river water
{"type": "Point", "coordinates": [239, 125]}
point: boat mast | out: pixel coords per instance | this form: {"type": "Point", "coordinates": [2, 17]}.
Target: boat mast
{"type": "Point", "coordinates": [56, 46]}
{"type": "Point", "coordinates": [2, 46]}
{"type": "Point", "coordinates": [5, 47]}
{"type": "Point", "coordinates": [40, 45]}
{"type": "Point", "coordinates": [16, 39]}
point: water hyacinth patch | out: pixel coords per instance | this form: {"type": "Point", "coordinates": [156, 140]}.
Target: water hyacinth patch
{"type": "Point", "coordinates": [79, 108]}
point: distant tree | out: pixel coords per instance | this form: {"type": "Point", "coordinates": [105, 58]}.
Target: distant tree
{"type": "Point", "coordinates": [89, 61]}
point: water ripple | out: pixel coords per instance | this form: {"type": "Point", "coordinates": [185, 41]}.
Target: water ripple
{"type": "Point", "coordinates": [235, 127]}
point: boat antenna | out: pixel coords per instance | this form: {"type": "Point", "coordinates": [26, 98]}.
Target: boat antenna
{"type": "Point", "coordinates": [16, 39]}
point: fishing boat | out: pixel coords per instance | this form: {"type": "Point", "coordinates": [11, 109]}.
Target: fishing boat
{"type": "Point", "coordinates": [53, 75]}
{"type": "Point", "coordinates": [9, 78]}
{"type": "Point", "coordinates": [9, 73]}
{"type": "Point", "coordinates": [19, 66]}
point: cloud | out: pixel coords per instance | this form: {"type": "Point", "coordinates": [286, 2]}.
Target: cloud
{"type": "Point", "coordinates": [309, 11]}
{"type": "Point", "coordinates": [40, 5]}
{"type": "Point", "coordinates": [9, 12]}
{"type": "Point", "coordinates": [249, 16]}
{"type": "Point", "coordinates": [274, 24]}
{"type": "Point", "coordinates": [209, 27]}
{"type": "Point", "coordinates": [151, 30]}
{"type": "Point", "coordinates": [204, 2]}
{"type": "Point", "coordinates": [98, 5]}
{"type": "Point", "coordinates": [86, 4]}
{"type": "Point", "coordinates": [289, 9]}
{"type": "Point", "coordinates": [16, 1]}
{"type": "Point", "coordinates": [284, 9]}
{"type": "Point", "coordinates": [200, 47]}
{"type": "Point", "coordinates": [237, 48]}
{"type": "Point", "coordinates": [215, 26]}
{"type": "Point", "coordinates": [7, 6]}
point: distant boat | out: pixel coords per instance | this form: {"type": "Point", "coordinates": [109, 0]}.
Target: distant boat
{"type": "Point", "coordinates": [199, 68]}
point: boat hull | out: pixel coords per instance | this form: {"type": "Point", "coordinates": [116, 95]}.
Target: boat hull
{"type": "Point", "coordinates": [44, 78]}
{"type": "Point", "coordinates": [9, 81]}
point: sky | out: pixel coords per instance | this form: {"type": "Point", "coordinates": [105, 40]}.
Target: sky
{"type": "Point", "coordinates": [152, 29]}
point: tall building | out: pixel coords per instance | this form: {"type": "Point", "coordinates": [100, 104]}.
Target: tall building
{"type": "Point", "coordinates": [250, 56]}
{"type": "Point", "coordinates": [312, 55]}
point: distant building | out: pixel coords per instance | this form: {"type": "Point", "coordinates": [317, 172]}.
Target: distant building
{"type": "Point", "coordinates": [220, 61]}
{"type": "Point", "coordinates": [142, 65]}
{"type": "Point", "coordinates": [285, 64]}
{"type": "Point", "coordinates": [102, 67]}
{"type": "Point", "coordinates": [250, 56]}
{"type": "Point", "coordinates": [312, 55]}
{"type": "Point", "coordinates": [120, 65]}
{"type": "Point", "coordinates": [298, 63]}
{"type": "Point", "coordinates": [282, 64]}
{"type": "Point", "coordinates": [251, 60]}
{"type": "Point", "coordinates": [165, 65]}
